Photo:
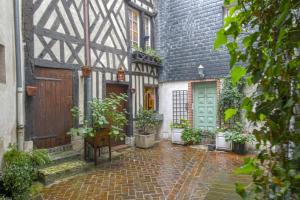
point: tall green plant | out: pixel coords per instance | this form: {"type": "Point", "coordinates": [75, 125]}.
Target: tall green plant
{"type": "Point", "coordinates": [264, 36]}
{"type": "Point", "coordinates": [106, 113]}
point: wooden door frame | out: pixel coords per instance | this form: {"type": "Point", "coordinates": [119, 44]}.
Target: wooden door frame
{"type": "Point", "coordinates": [191, 97]}
{"type": "Point", "coordinates": [29, 101]}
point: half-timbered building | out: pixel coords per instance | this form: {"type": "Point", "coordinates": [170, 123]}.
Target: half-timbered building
{"type": "Point", "coordinates": [63, 38]}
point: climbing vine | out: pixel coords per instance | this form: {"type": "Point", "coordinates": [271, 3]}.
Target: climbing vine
{"type": "Point", "coordinates": [231, 97]}
{"type": "Point", "coordinates": [263, 40]}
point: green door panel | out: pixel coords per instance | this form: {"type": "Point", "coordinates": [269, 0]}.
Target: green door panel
{"type": "Point", "coordinates": [205, 106]}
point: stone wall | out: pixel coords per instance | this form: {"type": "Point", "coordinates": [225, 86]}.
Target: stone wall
{"type": "Point", "coordinates": [8, 85]}
{"type": "Point", "coordinates": [186, 34]}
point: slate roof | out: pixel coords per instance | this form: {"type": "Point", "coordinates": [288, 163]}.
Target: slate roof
{"type": "Point", "coordinates": [185, 37]}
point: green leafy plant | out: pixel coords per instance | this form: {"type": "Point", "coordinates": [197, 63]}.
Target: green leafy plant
{"type": "Point", "coordinates": [20, 169]}
{"type": "Point", "coordinates": [237, 135]}
{"type": "Point", "coordinates": [145, 121]}
{"type": "Point", "coordinates": [149, 52]}
{"type": "Point", "coordinates": [191, 136]}
{"type": "Point", "coordinates": [231, 97]}
{"type": "Point", "coordinates": [263, 40]}
{"type": "Point", "coordinates": [184, 123]}
{"type": "Point", "coordinates": [105, 114]}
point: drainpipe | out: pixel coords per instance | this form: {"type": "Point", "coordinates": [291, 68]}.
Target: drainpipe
{"type": "Point", "coordinates": [88, 79]}
{"type": "Point", "coordinates": [19, 77]}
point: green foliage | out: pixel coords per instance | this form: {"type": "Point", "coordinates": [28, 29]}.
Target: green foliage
{"type": "Point", "coordinates": [191, 136]}
{"type": "Point", "coordinates": [231, 99]}
{"type": "Point", "coordinates": [149, 52]}
{"type": "Point", "coordinates": [184, 123]}
{"type": "Point", "coordinates": [237, 135]}
{"type": "Point", "coordinates": [105, 114]}
{"type": "Point", "coordinates": [20, 170]}
{"type": "Point", "coordinates": [264, 36]}
{"type": "Point", "coordinates": [145, 121]}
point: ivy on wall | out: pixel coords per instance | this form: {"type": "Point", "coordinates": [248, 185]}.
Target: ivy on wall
{"type": "Point", "coordinates": [231, 97]}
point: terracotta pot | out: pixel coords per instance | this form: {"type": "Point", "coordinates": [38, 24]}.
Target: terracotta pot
{"type": "Point", "coordinates": [86, 71]}
{"type": "Point", "coordinates": [31, 90]}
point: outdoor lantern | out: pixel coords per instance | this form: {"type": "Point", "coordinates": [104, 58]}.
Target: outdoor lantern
{"type": "Point", "coordinates": [121, 74]}
{"type": "Point", "coordinates": [201, 71]}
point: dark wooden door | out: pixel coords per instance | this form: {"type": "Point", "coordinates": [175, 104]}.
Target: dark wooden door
{"type": "Point", "coordinates": [118, 89]}
{"type": "Point", "coordinates": [52, 104]}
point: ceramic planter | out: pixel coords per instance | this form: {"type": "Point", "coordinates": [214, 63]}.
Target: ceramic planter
{"type": "Point", "coordinates": [31, 91]}
{"type": "Point", "coordinates": [221, 143]}
{"type": "Point", "coordinates": [176, 136]}
{"type": "Point", "coordinates": [86, 71]}
{"type": "Point", "coordinates": [145, 141]}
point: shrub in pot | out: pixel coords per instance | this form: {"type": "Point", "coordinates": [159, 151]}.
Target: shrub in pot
{"type": "Point", "coordinates": [191, 136]}
{"type": "Point", "coordinates": [146, 123]}
{"type": "Point", "coordinates": [177, 130]}
{"type": "Point", "coordinates": [20, 170]}
{"type": "Point", "coordinates": [106, 118]}
{"type": "Point", "coordinates": [238, 138]}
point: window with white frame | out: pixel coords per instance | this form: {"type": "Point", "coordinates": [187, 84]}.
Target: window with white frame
{"type": "Point", "coordinates": [134, 27]}
{"type": "Point", "coordinates": [147, 25]}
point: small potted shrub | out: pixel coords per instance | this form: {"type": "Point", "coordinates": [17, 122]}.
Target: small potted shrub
{"type": "Point", "coordinates": [177, 130]}
{"type": "Point", "coordinates": [107, 121]}
{"type": "Point", "coordinates": [238, 138]}
{"type": "Point", "coordinates": [145, 124]}
{"type": "Point", "coordinates": [191, 136]}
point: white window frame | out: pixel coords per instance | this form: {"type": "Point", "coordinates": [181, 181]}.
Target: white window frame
{"type": "Point", "coordinates": [132, 42]}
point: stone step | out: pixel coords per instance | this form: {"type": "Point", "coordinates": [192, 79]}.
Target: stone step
{"type": "Point", "coordinates": [62, 156]}
{"type": "Point", "coordinates": [62, 170]}
{"type": "Point", "coordinates": [67, 168]}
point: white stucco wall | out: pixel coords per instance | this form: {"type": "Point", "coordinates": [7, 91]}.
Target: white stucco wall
{"type": "Point", "coordinates": [165, 104]}
{"type": "Point", "coordinates": [8, 89]}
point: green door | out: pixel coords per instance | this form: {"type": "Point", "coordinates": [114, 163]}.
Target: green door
{"type": "Point", "coordinates": [205, 106]}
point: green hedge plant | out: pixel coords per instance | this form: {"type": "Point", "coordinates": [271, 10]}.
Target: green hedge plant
{"type": "Point", "coordinates": [20, 169]}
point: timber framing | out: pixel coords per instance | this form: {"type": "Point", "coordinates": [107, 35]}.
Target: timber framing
{"type": "Point", "coordinates": [54, 39]}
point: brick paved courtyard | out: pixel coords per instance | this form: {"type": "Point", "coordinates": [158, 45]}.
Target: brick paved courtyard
{"type": "Point", "coordinates": [164, 172]}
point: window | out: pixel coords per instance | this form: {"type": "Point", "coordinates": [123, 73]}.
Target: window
{"type": "Point", "coordinates": [149, 98]}
{"type": "Point", "coordinates": [2, 64]}
{"type": "Point", "coordinates": [134, 27]}
{"type": "Point", "coordinates": [147, 24]}
{"type": "Point", "coordinates": [180, 108]}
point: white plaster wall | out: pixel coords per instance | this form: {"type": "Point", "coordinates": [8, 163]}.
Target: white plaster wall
{"type": "Point", "coordinates": [8, 89]}
{"type": "Point", "coordinates": [165, 104]}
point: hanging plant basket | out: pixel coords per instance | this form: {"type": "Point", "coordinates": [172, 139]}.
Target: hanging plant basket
{"type": "Point", "coordinates": [31, 90]}
{"type": "Point", "coordinates": [86, 71]}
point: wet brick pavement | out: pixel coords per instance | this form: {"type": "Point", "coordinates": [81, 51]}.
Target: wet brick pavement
{"type": "Point", "coordinates": [164, 172]}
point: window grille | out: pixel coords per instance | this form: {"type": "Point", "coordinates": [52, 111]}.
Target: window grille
{"type": "Point", "coordinates": [180, 105]}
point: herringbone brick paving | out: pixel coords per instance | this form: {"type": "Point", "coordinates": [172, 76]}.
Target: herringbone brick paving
{"type": "Point", "coordinates": [157, 173]}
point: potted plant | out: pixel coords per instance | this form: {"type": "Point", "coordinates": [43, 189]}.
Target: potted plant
{"type": "Point", "coordinates": [221, 143]}
{"type": "Point", "coordinates": [238, 138]}
{"type": "Point", "coordinates": [177, 130]}
{"type": "Point", "coordinates": [145, 124]}
{"type": "Point", "coordinates": [191, 136]}
{"type": "Point", "coordinates": [107, 121]}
